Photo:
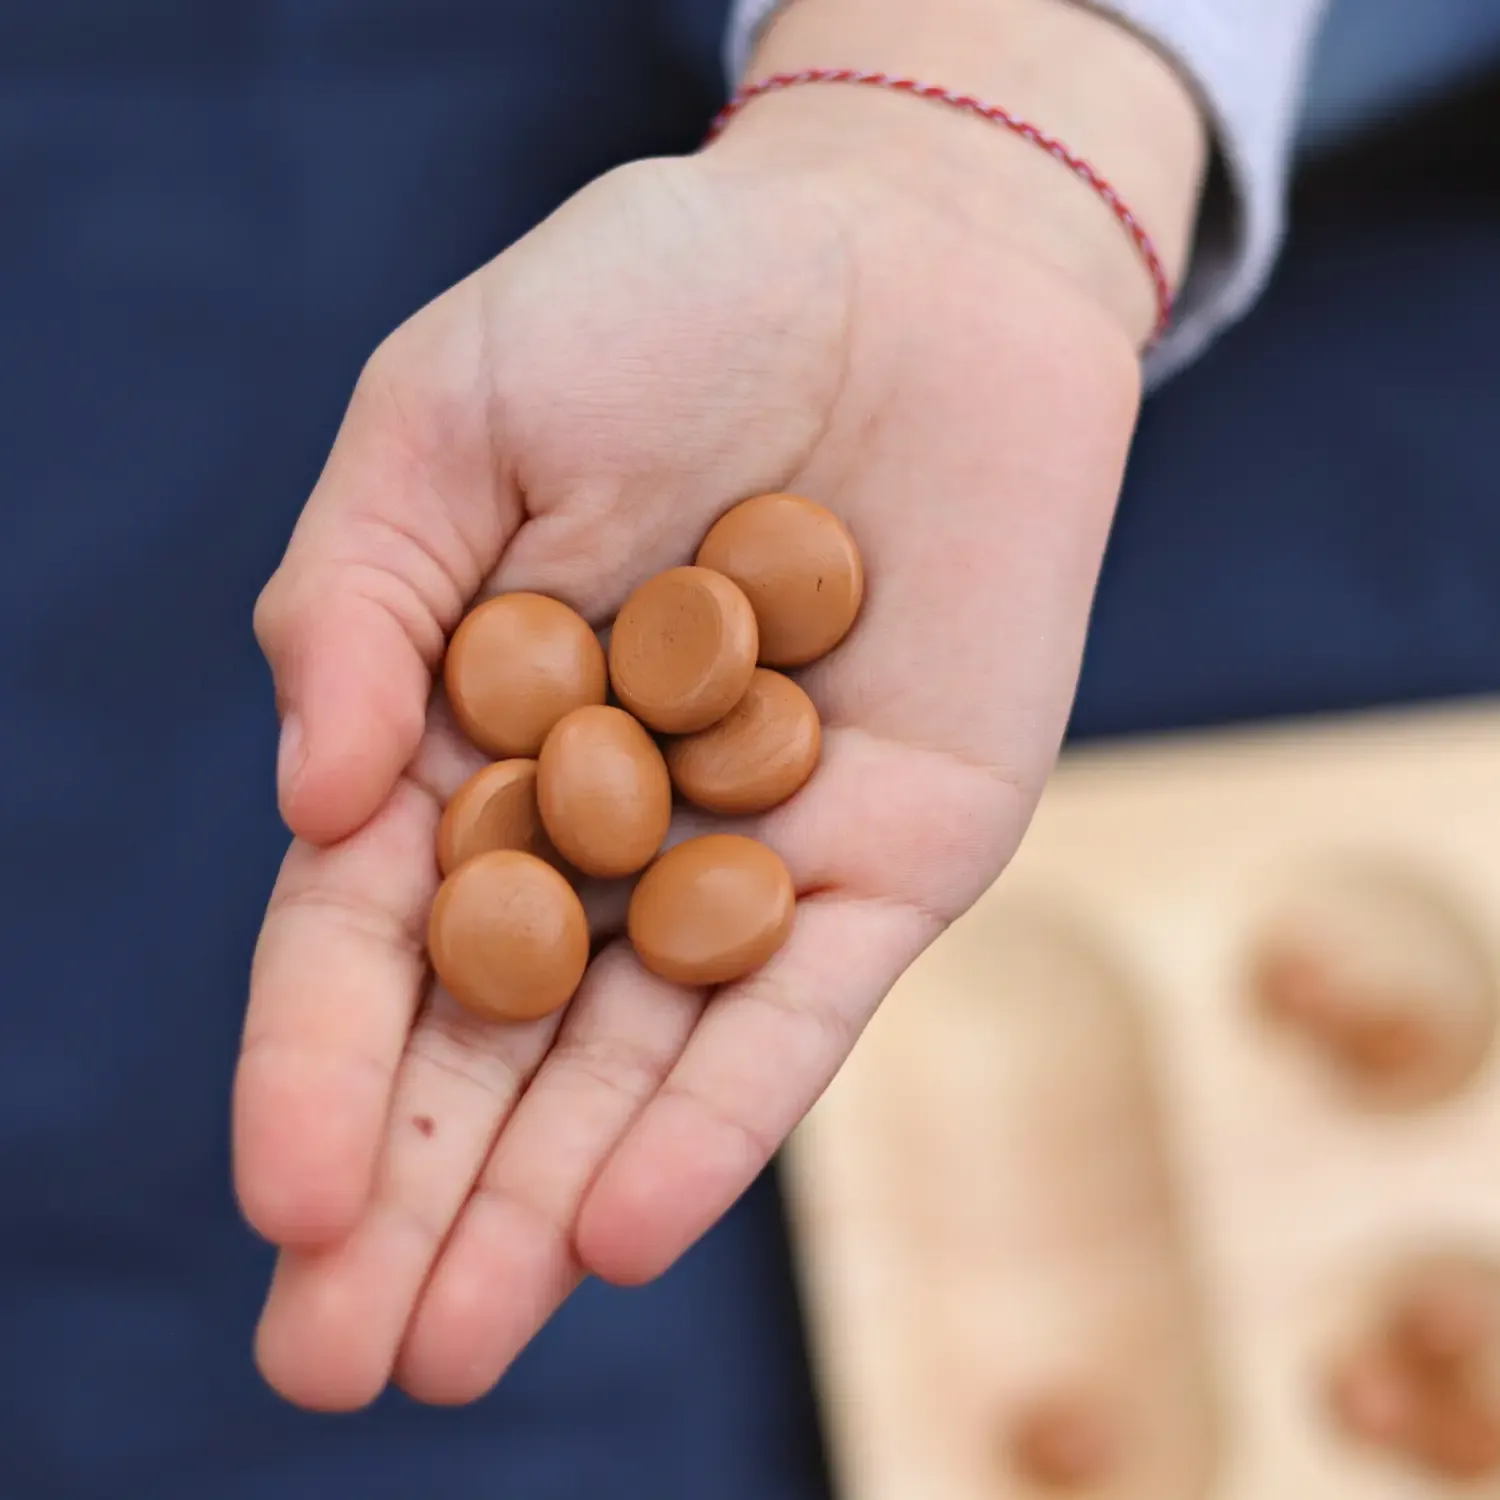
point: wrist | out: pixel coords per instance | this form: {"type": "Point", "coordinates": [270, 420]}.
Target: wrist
{"type": "Point", "coordinates": [1072, 72]}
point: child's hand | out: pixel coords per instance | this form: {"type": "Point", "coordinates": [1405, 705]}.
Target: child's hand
{"type": "Point", "coordinates": [570, 420]}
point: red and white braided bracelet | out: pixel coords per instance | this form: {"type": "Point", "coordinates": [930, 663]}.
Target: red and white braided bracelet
{"type": "Point", "coordinates": [996, 116]}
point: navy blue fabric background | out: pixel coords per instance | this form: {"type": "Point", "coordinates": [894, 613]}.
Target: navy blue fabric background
{"type": "Point", "coordinates": [208, 216]}
{"type": "Point", "coordinates": [1312, 518]}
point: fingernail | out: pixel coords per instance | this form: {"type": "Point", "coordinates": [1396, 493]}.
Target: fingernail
{"type": "Point", "coordinates": [291, 754]}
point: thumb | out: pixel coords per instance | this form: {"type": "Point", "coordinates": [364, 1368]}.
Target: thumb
{"type": "Point", "coordinates": [412, 511]}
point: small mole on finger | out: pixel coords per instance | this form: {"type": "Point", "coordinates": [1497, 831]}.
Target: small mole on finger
{"type": "Point", "coordinates": [425, 1124]}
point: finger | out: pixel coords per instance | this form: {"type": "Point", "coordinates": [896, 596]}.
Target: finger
{"type": "Point", "coordinates": [337, 976]}
{"type": "Point", "coordinates": [335, 1314]}
{"type": "Point", "coordinates": [885, 846]}
{"type": "Point", "coordinates": [411, 512]}
{"type": "Point", "coordinates": [334, 1317]}
{"type": "Point", "coordinates": [510, 1262]}
{"type": "Point", "coordinates": [763, 1052]}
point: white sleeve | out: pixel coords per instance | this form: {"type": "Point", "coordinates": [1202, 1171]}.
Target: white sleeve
{"type": "Point", "coordinates": [1247, 60]}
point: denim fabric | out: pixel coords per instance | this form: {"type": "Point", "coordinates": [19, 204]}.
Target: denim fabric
{"type": "Point", "coordinates": [1310, 522]}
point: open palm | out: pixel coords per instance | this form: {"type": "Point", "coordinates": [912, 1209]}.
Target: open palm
{"type": "Point", "coordinates": [570, 420]}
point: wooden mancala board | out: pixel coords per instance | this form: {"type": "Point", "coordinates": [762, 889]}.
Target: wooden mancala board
{"type": "Point", "coordinates": [1104, 1203]}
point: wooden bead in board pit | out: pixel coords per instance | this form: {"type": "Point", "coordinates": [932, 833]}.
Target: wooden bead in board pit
{"type": "Point", "coordinates": [603, 792]}
{"type": "Point", "coordinates": [798, 565]}
{"type": "Point", "coordinates": [516, 665]}
{"type": "Point", "coordinates": [1424, 1382]}
{"type": "Point", "coordinates": [1459, 1440]}
{"type": "Point", "coordinates": [711, 910]}
{"type": "Point", "coordinates": [1447, 1314]}
{"type": "Point", "coordinates": [1065, 1447]}
{"type": "Point", "coordinates": [495, 808]}
{"type": "Point", "coordinates": [508, 936]}
{"type": "Point", "coordinates": [1373, 1398]}
{"type": "Point", "coordinates": [760, 753]}
{"type": "Point", "coordinates": [682, 649]}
